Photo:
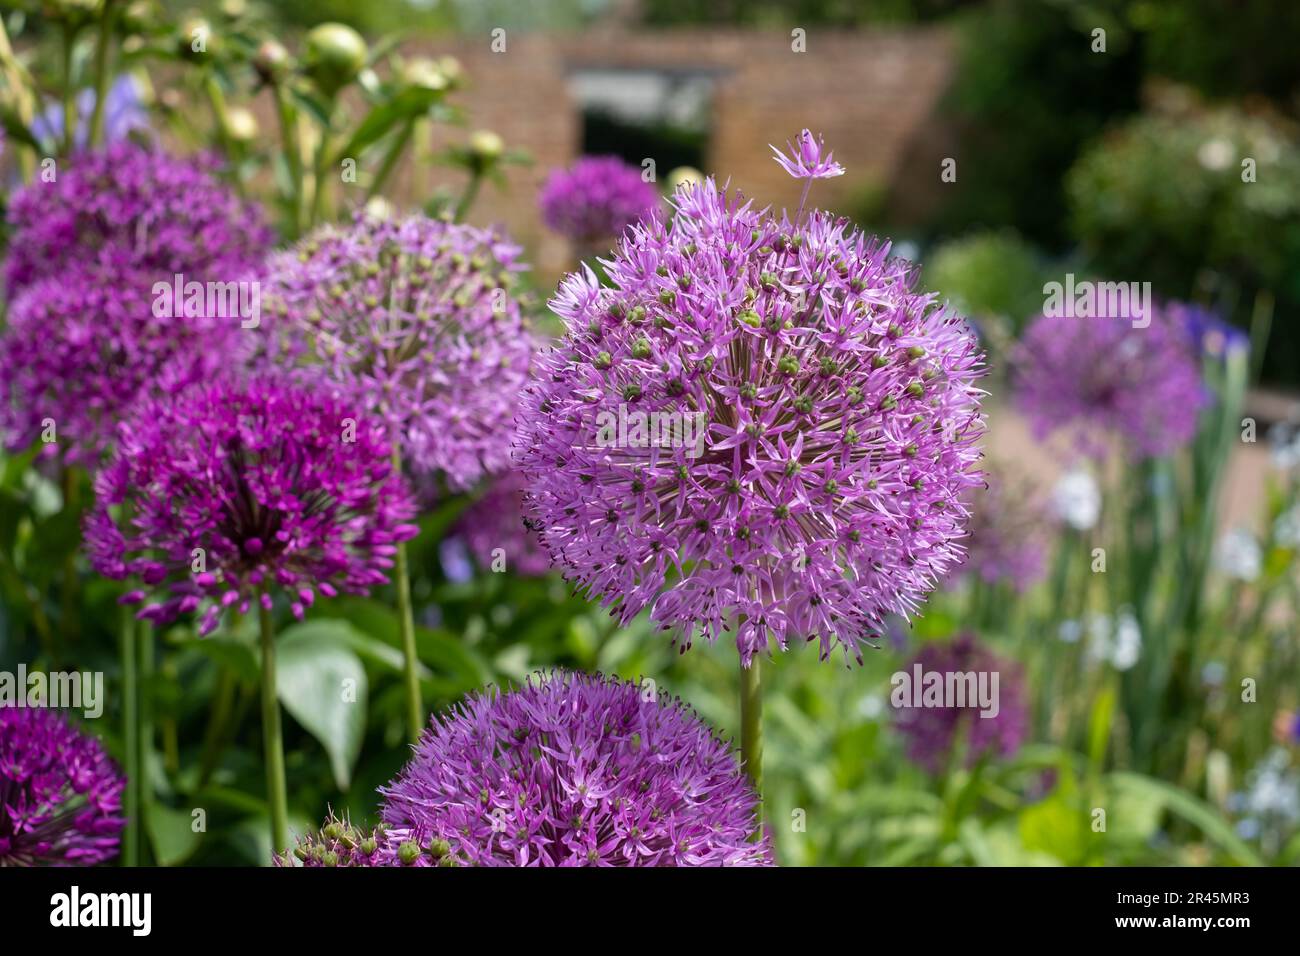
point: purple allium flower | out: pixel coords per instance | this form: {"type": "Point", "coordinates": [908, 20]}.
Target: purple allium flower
{"type": "Point", "coordinates": [81, 347]}
{"type": "Point", "coordinates": [1101, 378]}
{"type": "Point", "coordinates": [60, 795]}
{"type": "Point", "coordinates": [236, 489]}
{"type": "Point", "coordinates": [759, 418]}
{"type": "Point", "coordinates": [124, 113]}
{"type": "Point", "coordinates": [574, 769]}
{"type": "Point", "coordinates": [134, 206]}
{"type": "Point", "coordinates": [805, 160]}
{"type": "Point", "coordinates": [421, 317]}
{"type": "Point", "coordinates": [931, 731]}
{"type": "Point", "coordinates": [339, 843]}
{"type": "Point", "coordinates": [598, 198]}
{"type": "Point", "coordinates": [497, 521]}
{"type": "Point", "coordinates": [1006, 540]}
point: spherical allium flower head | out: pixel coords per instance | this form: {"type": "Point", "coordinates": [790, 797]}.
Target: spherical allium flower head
{"type": "Point", "coordinates": [930, 731]}
{"type": "Point", "coordinates": [81, 347]}
{"type": "Point", "coordinates": [805, 160]}
{"type": "Point", "coordinates": [1007, 534]}
{"type": "Point", "coordinates": [760, 418]}
{"type": "Point", "coordinates": [339, 843]}
{"type": "Point", "coordinates": [60, 795]}
{"type": "Point", "coordinates": [596, 199]}
{"type": "Point", "coordinates": [495, 528]}
{"type": "Point", "coordinates": [137, 206]}
{"type": "Point", "coordinates": [573, 770]}
{"type": "Point", "coordinates": [1102, 379]}
{"type": "Point", "coordinates": [421, 317]}
{"type": "Point", "coordinates": [235, 489]}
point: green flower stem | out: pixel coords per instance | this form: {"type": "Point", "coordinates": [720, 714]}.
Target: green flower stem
{"type": "Point", "coordinates": [272, 738]}
{"type": "Point", "coordinates": [68, 99]}
{"type": "Point", "coordinates": [406, 621]}
{"type": "Point", "coordinates": [131, 737]}
{"type": "Point", "coordinates": [144, 709]}
{"type": "Point", "coordinates": [292, 148]}
{"type": "Point", "coordinates": [469, 195]}
{"type": "Point", "coordinates": [319, 166]}
{"type": "Point", "coordinates": [751, 725]}
{"type": "Point", "coordinates": [391, 156]}
{"type": "Point", "coordinates": [101, 72]}
{"type": "Point", "coordinates": [217, 98]}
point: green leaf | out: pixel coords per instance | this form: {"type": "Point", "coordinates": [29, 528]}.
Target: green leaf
{"type": "Point", "coordinates": [1202, 816]}
{"type": "Point", "coordinates": [409, 104]}
{"type": "Point", "coordinates": [322, 683]}
{"type": "Point", "coordinates": [171, 832]}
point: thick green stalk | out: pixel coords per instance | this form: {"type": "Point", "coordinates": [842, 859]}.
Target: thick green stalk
{"type": "Point", "coordinates": [67, 93]}
{"type": "Point", "coordinates": [406, 621]}
{"type": "Point", "coordinates": [272, 739]}
{"type": "Point", "coordinates": [468, 196]}
{"type": "Point", "coordinates": [101, 72]}
{"type": "Point", "coordinates": [131, 737]}
{"type": "Point", "coordinates": [391, 156]}
{"type": "Point", "coordinates": [292, 153]}
{"type": "Point", "coordinates": [319, 166]}
{"type": "Point", "coordinates": [751, 725]}
{"type": "Point", "coordinates": [144, 682]}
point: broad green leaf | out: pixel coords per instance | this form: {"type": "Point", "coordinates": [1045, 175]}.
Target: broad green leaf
{"type": "Point", "coordinates": [171, 832]}
{"type": "Point", "coordinates": [322, 684]}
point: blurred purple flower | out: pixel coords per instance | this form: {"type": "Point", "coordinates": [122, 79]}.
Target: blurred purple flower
{"type": "Point", "coordinates": [130, 206]}
{"type": "Point", "coordinates": [234, 490]}
{"type": "Point", "coordinates": [1210, 334]}
{"type": "Point", "coordinates": [929, 733]}
{"type": "Point", "coordinates": [834, 412]}
{"type": "Point", "coordinates": [597, 199]}
{"type": "Point", "coordinates": [82, 346]}
{"type": "Point", "coordinates": [422, 318]}
{"type": "Point", "coordinates": [124, 113]}
{"type": "Point", "coordinates": [1101, 379]}
{"type": "Point", "coordinates": [1006, 542]}
{"type": "Point", "coordinates": [497, 522]}
{"type": "Point", "coordinates": [60, 795]}
{"type": "Point", "coordinates": [575, 770]}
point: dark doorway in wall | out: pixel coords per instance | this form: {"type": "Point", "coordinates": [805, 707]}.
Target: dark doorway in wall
{"type": "Point", "coordinates": [644, 113]}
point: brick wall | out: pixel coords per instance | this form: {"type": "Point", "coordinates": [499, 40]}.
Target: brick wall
{"type": "Point", "coordinates": [869, 93]}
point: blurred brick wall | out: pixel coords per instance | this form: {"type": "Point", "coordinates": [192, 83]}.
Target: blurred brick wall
{"type": "Point", "coordinates": [870, 94]}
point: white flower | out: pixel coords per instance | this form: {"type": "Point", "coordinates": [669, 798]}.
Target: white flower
{"type": "Point", "coordinates": [1284, 446]}
{"type": "Point", "coordinates": [1238, 555]}
{"type": "Point", "coordinates": [1070, 631]}
{"type": "Point", "coordinates": [1286, 530]}
{"type": "Point", "coordinates": [1128, 642]}
{"type": "Point", "coordinates": [1215, 154]}
{"type": "Point", "coordinates": [1076, 499]}
{"type": "Point", "coordinates": [1115, 641]}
